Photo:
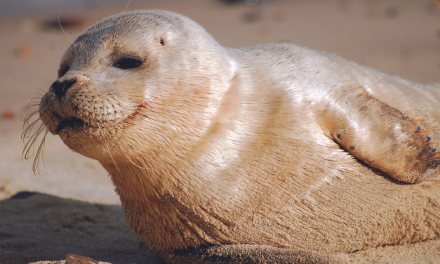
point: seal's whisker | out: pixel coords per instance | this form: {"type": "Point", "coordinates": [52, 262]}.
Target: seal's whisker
{"type": "Point", "coordinates": [125, 10]}
{"type": "Point", "coordinates": [40, 93]}
{"type": "Point", "coordinates": [34, 102]}
{"type": "Point", "coordinates": [111, 156]}
{"type": "Point", "coordinates": [139, 167]}
{"type": "Point", "coordinates": [31, 134]}
{"type": "Point", "coordinates": [32, 139]}
{"type": "Point", "coordinates": [31, 105]}
{"type": "Point", "coordinates": [59, 23]}
{"type": "Point", "coordinates": [108, 148]}
{"type": "Point", "coordinates": [28, 126]}
{"type": "Point", "coordinates": [36, 163]}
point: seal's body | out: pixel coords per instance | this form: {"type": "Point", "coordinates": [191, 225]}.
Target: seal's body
{"type": "Point", "coordinates": [273, 145]}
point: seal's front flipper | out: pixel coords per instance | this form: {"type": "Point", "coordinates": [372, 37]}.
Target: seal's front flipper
{"type": "Point", "coordinates": [379, 135]}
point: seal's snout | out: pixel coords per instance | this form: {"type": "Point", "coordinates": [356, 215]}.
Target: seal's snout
{"type": "Point", "coordinates": [60, 88]}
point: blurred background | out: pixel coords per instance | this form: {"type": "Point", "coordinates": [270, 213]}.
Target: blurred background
{"type": "Point", "coordinates": [399, 37]}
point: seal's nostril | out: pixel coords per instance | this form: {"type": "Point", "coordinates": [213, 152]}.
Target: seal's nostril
{"type": "Point", "coordinates": [60, 88]}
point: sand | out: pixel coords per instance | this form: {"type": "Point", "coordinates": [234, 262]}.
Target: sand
{"type": "Point", "coordinates": [79, 211]}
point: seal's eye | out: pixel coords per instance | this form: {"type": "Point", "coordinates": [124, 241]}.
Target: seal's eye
{"type": "Point", "coordinates": [63, 71]}
{"type": "Point", "coordinates": [126, 63]}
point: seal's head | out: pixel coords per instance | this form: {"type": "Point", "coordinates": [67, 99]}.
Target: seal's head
{"type": "Point", "coordinates": [136, 65]}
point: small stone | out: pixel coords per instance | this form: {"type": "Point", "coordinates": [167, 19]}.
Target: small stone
{"type": "Point", "coordinates": [75, 259]}
{"type": "Point", "coordinates": [8, 115]}
{"type": "Point", "coordinates": [24, 51]}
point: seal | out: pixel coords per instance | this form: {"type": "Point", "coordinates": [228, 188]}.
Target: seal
{"type": "Point", "coordinates": [271, 146]}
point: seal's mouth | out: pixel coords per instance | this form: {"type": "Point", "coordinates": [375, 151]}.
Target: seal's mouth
{"type": "Point", "coordinates": [72, 122]}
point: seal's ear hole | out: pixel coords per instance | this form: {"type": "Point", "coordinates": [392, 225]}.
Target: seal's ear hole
{"type": "Point", "coordinates": [162, 41]}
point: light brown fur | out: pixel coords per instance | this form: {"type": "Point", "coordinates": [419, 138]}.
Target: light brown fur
{"type": "Point", "coordinates": [274, 145]}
